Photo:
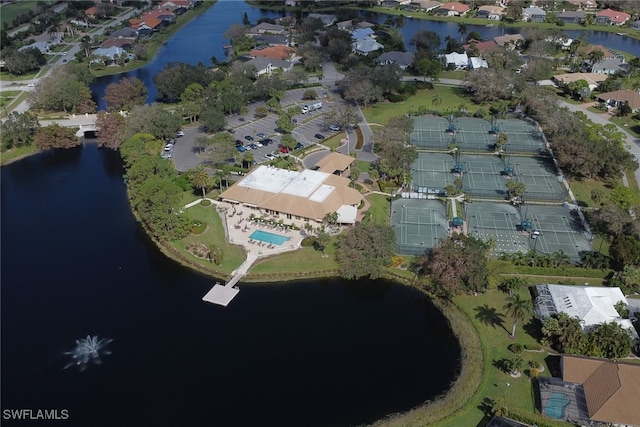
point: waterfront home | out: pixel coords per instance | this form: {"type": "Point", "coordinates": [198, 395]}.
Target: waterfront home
{"type": "Point", "coordinates": [350, 25]}
{"type": "Point", "coordinates": [124, 33]}
{"type": "Point", "coordinates": [401, 59]}
{"type": "Point", "coordinates": [592, 391]}
{"type": "Point", "coordinates": [636, 25]}
{"type": "Point", "coordinates": [267, 28]}
{"type": "Point", "coordinates": [326, 18]}
{"type": "Point", "coordinates": [110, 54]}
{"type": "Point", "coordinates": [458, 60]}
{"type": "Point", "coordinates": [619, 97]}
{"type": "Point", "coordinates": [148, 24]}
{"type": "Point", "coordinates": [453, 9]}
{"type": "Point", "coordinates": [612, 17]}
{"type": "Point", "coordinates": [584, 51]}
{"type": "Point", "coordinates": [307, 195]}
{"type": "Point", "coordinates": [362, 33]}
{"type": "Point", "coordinates": [571, 16]}
{"type": "Point", "coordinates": [164, 16]}
{"type": "Point", "coordinates": [122, 43]}
{"type": "Point", "coordinates": [426, 5]}
{"type": "Point", "coordinates": [533, 14]}
{"type": "Point", "coordinates": [476, 47]}
{"type": "Point", "coordinates": [609, 66]}
{"type": "Point", "coordinates": [492, 13]}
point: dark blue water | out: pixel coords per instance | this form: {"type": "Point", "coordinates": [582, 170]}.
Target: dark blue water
{"type": "Point", "coordinates": [74, 262]}
{"type": "Point", "coordinates": [203, 38]}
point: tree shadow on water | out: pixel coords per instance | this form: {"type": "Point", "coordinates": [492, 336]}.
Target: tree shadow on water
{"type": "Point", "coordinates": [490, 316]}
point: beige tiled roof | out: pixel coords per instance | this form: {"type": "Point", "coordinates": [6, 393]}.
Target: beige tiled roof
{"type": "Point", "coordinates": [611, 389]}
{"type": "Point", "coordinates": [334, 162]}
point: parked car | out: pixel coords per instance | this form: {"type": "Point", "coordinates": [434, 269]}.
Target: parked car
{"type": "Point", "coordinates": [180, 133]}
{"type": "Point", "coordinates": [261, 135]}
{"type": "Point", "coordinates": [266, 141]}
{"type": "Point", "coordinates": [259, 144]}
{"type": "Point", "coordinates": [239, 142]}
{"type": "Point", "coordinates": [299, 146]}
{"type": "Point", "coordinates": [334, 128]}
{"type": "Point", "coordinates": [253, 146]}
{"type": "Point", "coordinates": [269, 156]}
{"type": "Point", "coordinates": [248, 138]}
{"type": "Point", "coordinates": [172, 141]}
{"type": "Point", "coordinates": [284, 150]}
{"type": "Point", "coordinates": [241, 148]}
{"type": "Point", "coordinates": [319, 136]}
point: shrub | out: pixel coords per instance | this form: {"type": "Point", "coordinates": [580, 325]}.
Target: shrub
{"type": "Point", "coordinates": [532, 347]}
{"type": "Point", "coordinates": [424, 85]}
{"type": "Point", "coordinates": [515, 348]}
{"type": "Point", "coordinates": [308, 241]}
{"type": "Point", "coordinates": [360, 141]}
{"type": "Point", "coordinates": [205, 202]}
{"type": "Point", "coordinates": [198, 227]}
{"type": "Point", "coordinates": [393, 97]}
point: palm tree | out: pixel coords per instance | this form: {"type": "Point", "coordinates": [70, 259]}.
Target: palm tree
{"type": "Point", "coordinates": [200, 179]}
{"type": "Point", "coordinates": [436, 100]}
{"type": "Point", "coordinates": [248, 158]}
{"type": "Point", "coordinates": [462, 30]}
{"type": "Point", "coordinates": [518, 308]}
{"type": "Point", "coordinates": [595, 56]}
{"type": "Point", "coordinates": [560, 258]}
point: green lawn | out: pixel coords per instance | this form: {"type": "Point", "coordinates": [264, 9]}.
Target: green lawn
{"type": "Point", "coordinates": [16, 154]}
{"type": "Point", "coordinates": [10, 11]}
{"type": "Point", "coordinates": [451, 98]}
{"type": "Point", "coordinates": [304, 261]}
{"type": "Point", "coordinates": [379, 210]}
{"type": "Point", "coordinates": [629, 123]}
{"type": "Point", "coordinates": [582, 190]}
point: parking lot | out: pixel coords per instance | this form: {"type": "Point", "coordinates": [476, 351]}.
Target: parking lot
{"type": "Point", "coordinates": [308, 125]}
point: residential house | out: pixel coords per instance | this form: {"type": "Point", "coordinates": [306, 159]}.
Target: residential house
{"type": "Point", "coordinates": [273, 39]}
{"type": "Point", "coordinates": [592, 79]}
{"type": "Point", "coordinates": [584, 51]}
{"type": "Point", "coordinates": [122, 43]}
{"type": "Point", "coordinates": [609, 66]}
{"type": "Point", "coordinates": [593, 305]}
{"type": "Point", "coordinates": [178, 7]}
{"type": "Point", "coordinates": [476, 62]}
{"type": "Point", "coordinates": [593, 392]}
{"type": "Point", "coordinates": [533, 14]}
{"type": "Point", "coordinates": [426, 5]}
{"type": "Point", "coordinates": [91, 12]}
{"type": "Point", "coordinates": [362, 33]}
{"type": "Point", "coordinates": [511, 41]}
{"type": "Point", "coordinates": [165, 16]}
{"type": "Point", "coordinates": [351, 25]}
{"type": "Point", "coordinates": [453, 9]}
{"type": "Point", "coordinates": [267, 28]}
{"type": "Point", "coordinates": [498, 421]}
{"type": "Point", "coordinates": [273, 52]}
{"type": "Point", "coordinates": [268, 65]}
{"type": "Point", "coordinates": [112, 53]}
{"type": "Point", "coordinates": [326, 19]}
{"type": "Point", "coordinates": [365, 46]}
{"type": "Point", "coordinates": [571, 16]}
{"type": "Point", "coordinates": [459, 60]}
{"type": "Point", "coordinates": [612, 17]}
{"type": "Point", "coordinates": [401, 59]}
{"type": "Point", "coordinates": [589, 6]}
{"type": "Point", "coordinates": [124, 33]}
{"type": "Point", "coordinates": [335, 163]}
{"type": "Point", "coordinates": [619, 97]}
{"type": "Point", "coordinates": [42, 46]}
{"type": "Point", "coordinates": [492, 13]}
{"type": "Point", "coordinates": [145, 25]}
{"type": "Point", "coordinates": [636, 25]}
{"type": "Point", "coordinates": [477, 47]}
{"type": "Point", "coordinates": [307, 195]}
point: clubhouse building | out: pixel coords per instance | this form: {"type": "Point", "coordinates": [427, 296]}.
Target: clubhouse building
{"type": "Point", "coordinates": [308, 195]}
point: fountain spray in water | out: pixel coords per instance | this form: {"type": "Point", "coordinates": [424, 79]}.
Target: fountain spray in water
{"type": "Point", "coordinates": [88, 350]}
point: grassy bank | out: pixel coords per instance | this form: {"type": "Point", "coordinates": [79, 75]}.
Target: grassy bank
{"type": "Point", "coordinates": [16, 154]}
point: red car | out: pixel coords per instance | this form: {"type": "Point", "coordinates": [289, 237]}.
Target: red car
{"type": "Point", "coordinates": [284, 150]}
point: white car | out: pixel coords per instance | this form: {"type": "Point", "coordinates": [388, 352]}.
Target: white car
{"type": "Point", "coordinates": [168, 147]}
{"type": "Point", "coordinates": [180, 133]}
{"type": "Point", "coordinates": [334, 128]}
{"type": "Point", "coordinates": [258, 144]}
{"type": "Point", "coordinates": [270, 156]}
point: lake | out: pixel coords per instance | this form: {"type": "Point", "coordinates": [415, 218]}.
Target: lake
{"type": "Point", "coordinates": [314, 353]}
{"type": "Point", "coordinates": [203, 38]}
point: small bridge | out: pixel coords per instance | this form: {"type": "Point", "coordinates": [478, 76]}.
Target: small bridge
{"type": "Point", "coordinates": [83, 122]}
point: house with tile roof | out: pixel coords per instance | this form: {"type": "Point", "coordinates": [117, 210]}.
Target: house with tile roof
{"type": "Point", "coordinates": [268, 65]}
{"type": "Point", "coordinates": [594, 390]}
{"type": "Point", "coordinates": [426, 5]}
{"type": "Point", "coordinates": [267, 28]}
{"type": "Point", "coordinates": [609, 66]}
{"type": "Point", "coordinates": [612, 17]}
{"type": "Point", "coordinates": [571, 16]}
{"type": "Point", "coordinates": [492, 13]}
{"type": "Point", "coordinates": [273, 52]}
{"type": "Point", "coordinates": [592, 79]}
{"type": "Point", "coordinates": [366, 46]}
{"type": "Point", "coordinates": [335, 163]}
{"type": "Point", "coordinates": [476, 46]}
{"type": "Point", "coordinates": [509, 40]}
{"type": "Point", "coordinates": [453, 9]}
{"type": "Point", "coordinates": [362, 33]}
{"type": "Point", "coordinates": [619, 97]}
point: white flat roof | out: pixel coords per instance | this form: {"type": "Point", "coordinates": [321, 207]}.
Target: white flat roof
{"type": "Point", "coordinates": [322, 193]}
{"type": "Point", "coordinates": [275, 180]}
{"type": "Point", "coordinates": [221, 295]}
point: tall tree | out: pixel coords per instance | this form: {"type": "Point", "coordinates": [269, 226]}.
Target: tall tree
{"type": "Point", "coordinates": [110, 130]}
{"type": "Point", "coordinates": [56, 136]}
{"type": "Point", "coordinates": [124, 95]}
{"type": "Point", "coordinates": [518, 308]}
{"type": "Point", "coordinates": [364, 250]}
{"type": "Point", "coordinates": [200, 178]}
{"type": "Point", "coordinates": [18, 130]}
{"type": "Point", "coordinates": [462, 30]}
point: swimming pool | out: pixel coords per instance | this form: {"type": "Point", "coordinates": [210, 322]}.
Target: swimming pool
{"type": "Point", "coordinates": [555, 405]}
{"type": "Point", "coordinates": [265, 236]}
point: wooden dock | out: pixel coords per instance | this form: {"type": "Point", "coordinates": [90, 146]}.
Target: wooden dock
{"type": "Point", "coordinates": [222, 295]}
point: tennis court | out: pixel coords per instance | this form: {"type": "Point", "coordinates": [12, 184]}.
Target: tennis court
{"type": "Point", "coordinates": [560, 229]}
{"type": "Point", "coordinates": [523, 136]}
{"type": "Point", "coordinates": [540, 177]}
{"type": "Point", "coordinates": [497, 221]}
{"type": "Point", "coordinates": [432, 172]}
{"type": "Point", "coordinates": [419, 224]}
{"type": "Point", "coordinates": [482, 176]}
{"type": "Point", "coordinates": [431, 132]}
{"type": "Point", "coordinates": [473, 134]}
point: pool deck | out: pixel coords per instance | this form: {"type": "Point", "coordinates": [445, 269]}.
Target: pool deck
{"type": "Point", "coordinates": [238, 228]}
